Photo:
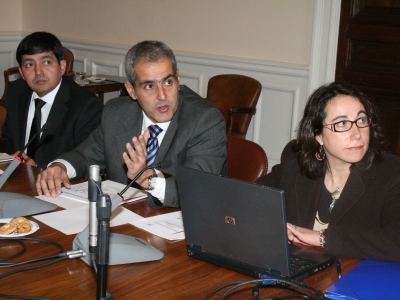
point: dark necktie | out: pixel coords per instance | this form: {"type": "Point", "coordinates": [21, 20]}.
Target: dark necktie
{"type": "Point", "coordinates": [35, 128]}
{"type": "Point", "coordinates": [152, 144]}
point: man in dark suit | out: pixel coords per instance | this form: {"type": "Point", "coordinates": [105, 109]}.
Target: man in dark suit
{"type": "Point", "coordinates": [69, 111]}
{"type": "Point", "coordinates": [192, 131]}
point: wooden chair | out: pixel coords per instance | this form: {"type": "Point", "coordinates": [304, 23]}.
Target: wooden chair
{"type": "Point", "coordinates": [236, 96]}
{"type": "Point", "coordinates": [3, 113]}
{"type": "Point", "coordinates": [246, 160]}
{"type": "Point", "coordinates": [12, 74]}
{"type": "Point", "coordinates": [69, 58]}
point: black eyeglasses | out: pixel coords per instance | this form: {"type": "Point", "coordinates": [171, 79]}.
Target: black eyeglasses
{"type": "Point", "coordinates": [346, 125]}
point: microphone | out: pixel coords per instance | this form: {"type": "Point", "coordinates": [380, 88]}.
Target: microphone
{"type": "Point", "coordinates": [160, 165]}
{"type": "Point", "coordinates": [94, 189]}
{"type": "Point", "coordinates": [18, 159]}
{"type": "Point", "coordinates": [104, 209]}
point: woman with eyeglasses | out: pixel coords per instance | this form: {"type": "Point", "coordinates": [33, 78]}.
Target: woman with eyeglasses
{"type": "Point", "coordinates": [342, 189]}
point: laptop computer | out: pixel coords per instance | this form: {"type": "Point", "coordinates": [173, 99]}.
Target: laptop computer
{"type": "Point", "coordinates": [241, 226]}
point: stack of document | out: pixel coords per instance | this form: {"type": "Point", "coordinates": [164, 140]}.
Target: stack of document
{"type": "Point", "coordinates": [168, 226]}
{"type": "Point", "coordinates": [80, 191]}
{"type": "Point", "coordinates": [75, 217]}
{"type": "Point", "coordinates": [4, 157]}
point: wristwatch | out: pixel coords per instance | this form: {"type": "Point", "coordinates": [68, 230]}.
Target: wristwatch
{"type": "Point", "coordinates": [152, 181]}
{"type": "Point", "coordinates": [322, 238]}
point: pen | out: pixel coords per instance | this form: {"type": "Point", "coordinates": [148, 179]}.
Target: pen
{"type": "Point", "coordinates": [339, 268]}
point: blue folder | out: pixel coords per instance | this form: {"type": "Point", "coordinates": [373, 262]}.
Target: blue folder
{"type": "Point", "coordinates": [370, 280]}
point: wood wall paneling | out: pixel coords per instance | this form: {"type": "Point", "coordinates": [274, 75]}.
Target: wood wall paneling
{"type": "Point", "coordinates": [369, 56]}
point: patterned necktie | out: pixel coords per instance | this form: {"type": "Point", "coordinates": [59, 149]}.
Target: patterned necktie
{"type": "Point", "coordinates": [36, 126]}
{"type": "Point", "coordinates": [152, 144]}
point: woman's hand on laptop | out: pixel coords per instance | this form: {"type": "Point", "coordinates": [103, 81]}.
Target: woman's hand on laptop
{"type": "Point", "coordinates": [302, 235]}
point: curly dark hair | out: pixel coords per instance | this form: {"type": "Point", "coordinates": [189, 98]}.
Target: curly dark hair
{"type": "Point", "coordinates": [311, 125]}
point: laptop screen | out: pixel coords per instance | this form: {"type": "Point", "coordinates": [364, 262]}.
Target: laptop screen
{"type": "Point", "coordinates": [239, 225]}
{"type": "Point", "coordinates": [235, 219]}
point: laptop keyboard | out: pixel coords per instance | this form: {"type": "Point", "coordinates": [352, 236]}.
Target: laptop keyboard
{"type": "Point", "coordinates": [298, 264]}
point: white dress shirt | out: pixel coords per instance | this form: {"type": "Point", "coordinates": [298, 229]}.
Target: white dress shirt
{"type": "Point", "coordinates": [159, 190]}
{"type": "Point", "coordinates": [49, 99]}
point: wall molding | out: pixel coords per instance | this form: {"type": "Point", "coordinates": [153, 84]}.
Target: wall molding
{"type": "Point", "coordinates": [279, 109]}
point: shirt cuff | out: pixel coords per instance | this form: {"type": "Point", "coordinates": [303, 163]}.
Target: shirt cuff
{"type": "Point", "coordinates": [159, 190]}
{"type": "Point", "coordinates": [71, 172]}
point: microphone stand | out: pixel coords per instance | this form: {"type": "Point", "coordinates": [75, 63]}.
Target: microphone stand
{"type": "Point", "coordinates": [10, 169]}
{"type": "Point", "coordinates": [103, 217]}
{"type": "Point", "coordinates": [123, 249]}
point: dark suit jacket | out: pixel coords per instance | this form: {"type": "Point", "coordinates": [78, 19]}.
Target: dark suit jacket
{"type": "Point", "coordinates": [75, 113]}
{"type": "Point", "coordinates": [195, 138]}
{"type": "Point", "coordinates": [365, 220]}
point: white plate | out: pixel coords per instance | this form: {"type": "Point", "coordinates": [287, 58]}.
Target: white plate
{"type": "Point", "coordinates": [96, 79]}
{"type": "Point", "coordinates": [82, 82]}
{"type": "Point", "coordinates": [35, 228]}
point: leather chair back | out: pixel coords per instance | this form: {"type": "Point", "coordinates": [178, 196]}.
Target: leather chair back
{"type": "Point", "coordinates": [69, 58]}
{"type": "Point", "coordinates": [3, 113]}
{"type": "Point", "coordinates": [10, 75]}
{"type": "Point", "coordinates": [236, 96]}
{"type": "Point", "coordinates": [246, 160]}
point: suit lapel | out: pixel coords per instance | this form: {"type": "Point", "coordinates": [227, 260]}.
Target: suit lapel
{"type": "Point", "coordinates": [23, 109]}
{"type": "Point", "coordinates": [131, 126]}
{"type": "Point", "coordinates": [307, 198]}
{"type": "Point", "coordinates": [169, 135]}
{"type": "Point", "coordinates": [352, 193]}
{"type": "Point", "coordinates": [58, 110]}
{"type": "Point", "coordinates": [308, 194]}
{"type": "Point", "coordinates": [57, 113]}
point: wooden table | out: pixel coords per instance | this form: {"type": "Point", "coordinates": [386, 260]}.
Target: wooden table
{"type": "Point", "coordinates": [106, 86]}
{"type": "Point", "coordinates": [176, 276]}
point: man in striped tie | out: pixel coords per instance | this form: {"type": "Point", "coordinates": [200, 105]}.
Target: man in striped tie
{"type": "Point", "coordinates": [164, 122]}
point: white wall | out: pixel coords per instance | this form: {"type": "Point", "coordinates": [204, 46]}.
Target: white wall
{"type": "Point", "coordinates": [270, 40]}
{"type": "Point", "coordinates": [273, 30]}
{"type": "Point", "coordinates": [10, 15]}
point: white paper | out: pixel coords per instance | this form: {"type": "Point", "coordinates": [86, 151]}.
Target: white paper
{"type": "Point", "coordinates": [80, 191]}
{"type": "Point", "coordinates": [4, 157]}
{"type": "Point", "coordinates": [64, 202]}
{"type": "Point", "coordinates": [168, 226]}
{"type": "Point", "coordinates": [74, 220]}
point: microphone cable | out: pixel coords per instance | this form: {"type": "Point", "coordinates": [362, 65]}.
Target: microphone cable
{"type": "Point", "coordinates": [44, 127]}
{"type": "Point", "coordinates": [59, 256]}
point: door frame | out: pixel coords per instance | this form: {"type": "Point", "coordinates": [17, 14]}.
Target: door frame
{"type": "Point", "coordinates": [324, 43]}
